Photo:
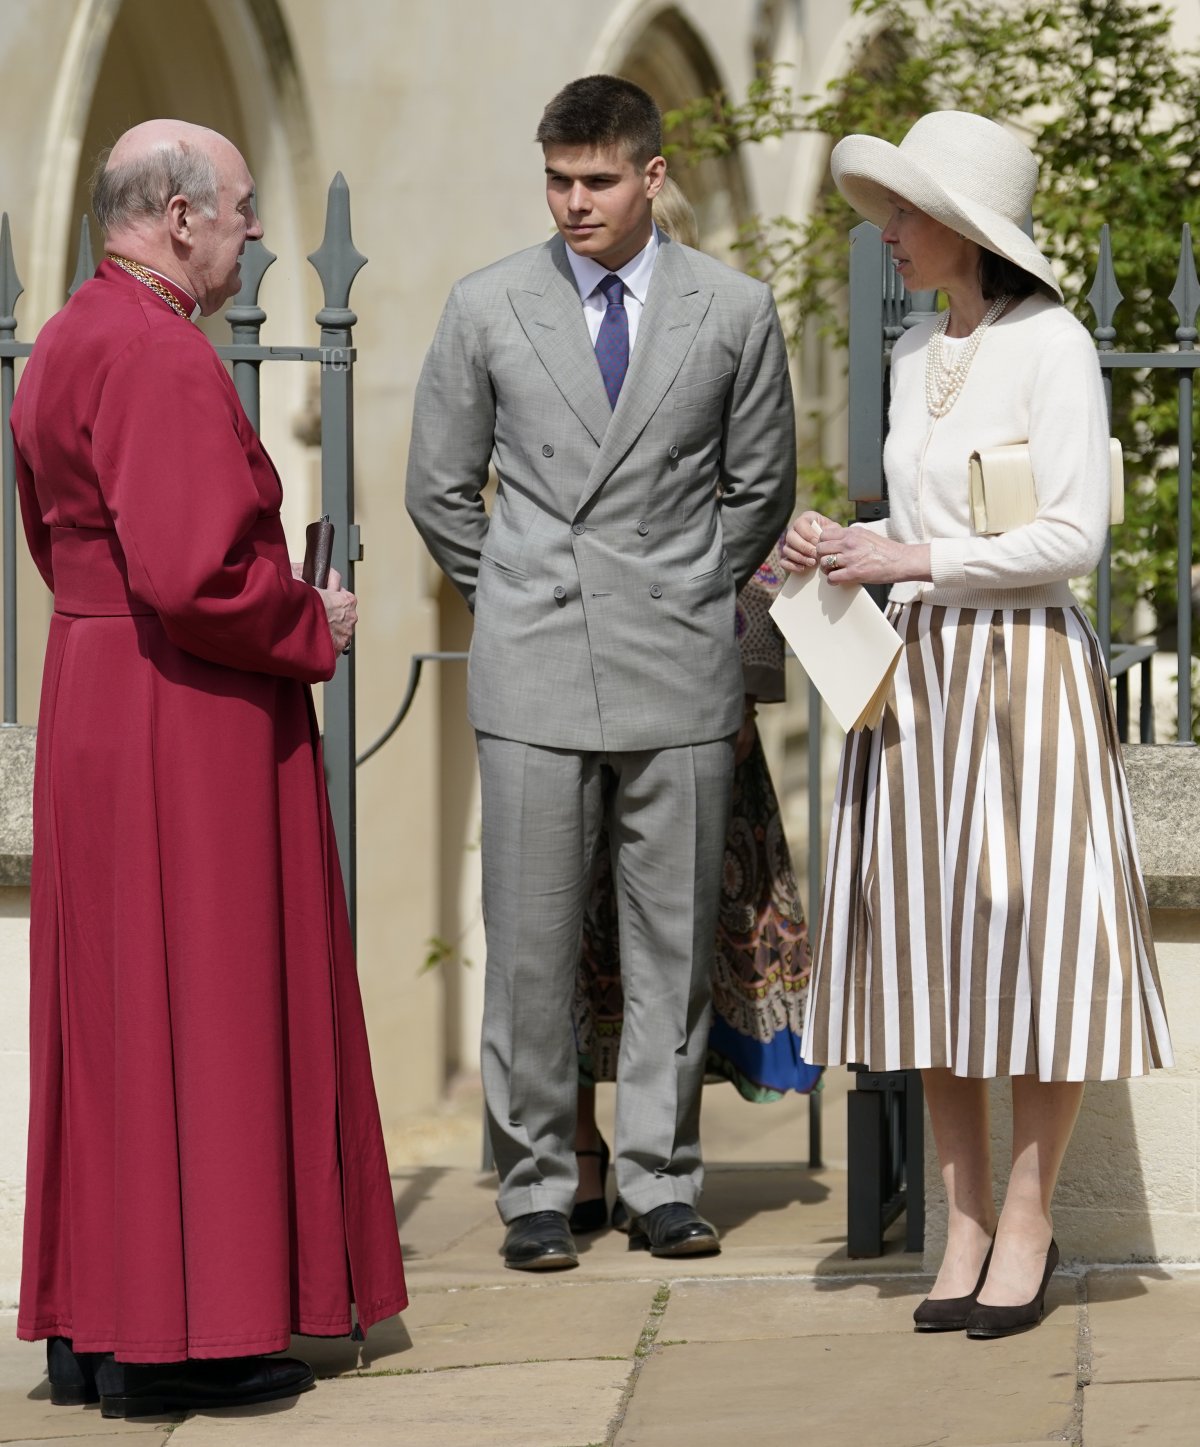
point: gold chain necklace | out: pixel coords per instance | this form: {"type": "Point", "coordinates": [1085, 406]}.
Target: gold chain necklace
{"type": "Point", "coordinates": [147, 278]}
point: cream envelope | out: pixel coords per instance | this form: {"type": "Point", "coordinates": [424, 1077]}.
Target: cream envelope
{"type": "Point", "coordinates": [844, 643]}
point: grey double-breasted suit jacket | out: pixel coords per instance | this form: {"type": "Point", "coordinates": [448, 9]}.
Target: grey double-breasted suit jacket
{"type": "Point", "coordinates": [603, 582]}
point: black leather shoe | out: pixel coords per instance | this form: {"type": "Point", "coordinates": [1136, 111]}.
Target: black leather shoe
{"type": "Point", "coordinates": [950, 1313]}
{"type": "Point", "coordinates": [673, 1230]}
{"type": "Point", "coordinates": [151, 1389]}
{"type": "Point", "coordinates": [72, 1374]}
{"type": "Point", "coordinates": [593, 1214]}
{"type": "Point", "coordinates": [539, 1241]}
{"type": "Point", "coordinates": [986, 1322]}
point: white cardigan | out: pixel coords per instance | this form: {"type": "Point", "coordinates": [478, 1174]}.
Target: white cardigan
{"type": "Point", "coordinates": [1035, 379]}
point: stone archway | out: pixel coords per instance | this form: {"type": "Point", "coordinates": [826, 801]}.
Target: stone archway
{"type": "Point", "coordinates": [669, 60]}
{"type": "Point", "coordinates": [120, 65]}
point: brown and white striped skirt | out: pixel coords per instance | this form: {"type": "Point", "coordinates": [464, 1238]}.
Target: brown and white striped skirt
{"type": "Point", "coordinates": [984, 907]}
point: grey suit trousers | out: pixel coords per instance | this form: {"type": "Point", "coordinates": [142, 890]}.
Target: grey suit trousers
{"type": "Point", "coordinates": [542, 809]}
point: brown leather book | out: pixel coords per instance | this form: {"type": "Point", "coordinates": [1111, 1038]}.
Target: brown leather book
{"type": "Point", "coordinates": [318, 552]}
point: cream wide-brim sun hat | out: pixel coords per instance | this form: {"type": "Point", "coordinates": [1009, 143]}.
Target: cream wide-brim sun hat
{"type": "Point", "coordinates": [962, 169]}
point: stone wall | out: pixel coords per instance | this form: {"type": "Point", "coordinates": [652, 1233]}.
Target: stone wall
{"type": "Point", "coordinates": [16, 842]}
{"type": "Point", "coordinates": [1130, 1187]}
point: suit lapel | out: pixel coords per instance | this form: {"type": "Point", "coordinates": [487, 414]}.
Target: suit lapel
{"type": "Point", "coordinates": [551, 315]}
{"type": "Point", "coordinates": [675, 307]}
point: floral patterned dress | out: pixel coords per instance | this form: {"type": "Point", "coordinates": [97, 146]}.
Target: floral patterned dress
{"type": "Point", "coordinates": [762, 963]}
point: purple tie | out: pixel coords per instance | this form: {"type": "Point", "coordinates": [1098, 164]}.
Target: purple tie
{"type": "Point", "coordinates": [612, 344]}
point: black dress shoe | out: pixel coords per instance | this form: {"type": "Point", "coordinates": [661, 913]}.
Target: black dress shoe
{"type": "Point", "coordinates": [986, 1322]}
{"type": "Point", "coordinates": [72, 1374]}
{"type": "Point", "coordinates": [949, 1313]}
{"type": "Point", "coordinates": [539, 1241]}
{"type": "Point", "coordinates": [593, 1214]}
{"type": "Point", "coordinates": [673, 1230]}
{"type": "Point", "coordinates": [150, 1389]}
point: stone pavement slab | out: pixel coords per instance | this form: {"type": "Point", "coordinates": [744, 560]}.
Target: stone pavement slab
{"type": "Point", "coordinates": [884, 1389]}
{"type": "Point", "coordinates": [1127, 1413]}
{"type": "Point", "coordinates": [1144, 1325]}
{"type": "Point", "coordinates": [755, 1310]}
{"type": "Point", "coordinates": [26, 1415]}
{"type": "Point", "coordinates": [536, 1404]}
{"type": "Point", "coordinates": [772, 1220]}
{"type": "Point", "coordinates": [85, 1436]}
{"type": "Point", "coordinates": [536, 1322]}
{"type": "Point", "coordinates": [781, 1339]}
{"type": "Point", "coordinates": [436, 1206]}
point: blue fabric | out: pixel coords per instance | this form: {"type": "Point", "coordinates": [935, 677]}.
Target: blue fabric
{"type": "Point", "coordinates": [760, 1070]}
{"type": "Point", "coordinates": [612, 343]}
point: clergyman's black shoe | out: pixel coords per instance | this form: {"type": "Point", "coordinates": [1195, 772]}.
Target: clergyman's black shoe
{"type": "Point", "coordinates": [150, 1389]}
{"type": "Point", "coordinates": [539, 1241]}
{"type": "Point", "coordinates": [72, 1374]}
{"type": "Point", "coordinates": [675, 1229]}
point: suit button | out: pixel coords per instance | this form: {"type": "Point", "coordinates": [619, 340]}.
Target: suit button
{"type": "Point", "coordinates": [672, 451]}
{"type": "Point", "coordinates": [579, 529]}
{"type": "Point", "coordinates": [547, 450]}
{"type": "Point", "coordinates": [655, 591]}
{"type": "Point", "coordinates": [643, 529]}
{"type": "Point", "coordinates": [560, 592]}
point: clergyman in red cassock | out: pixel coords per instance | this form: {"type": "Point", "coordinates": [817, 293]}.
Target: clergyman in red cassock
{"type": "Point", "coordinates": [206, 1164]}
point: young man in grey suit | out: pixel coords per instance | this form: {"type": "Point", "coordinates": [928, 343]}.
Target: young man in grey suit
{"type": "Point", "coordinates": [633, 397]}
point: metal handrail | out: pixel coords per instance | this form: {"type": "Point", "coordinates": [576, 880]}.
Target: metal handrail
{"type": "Point", "coordinates": [416, 663]}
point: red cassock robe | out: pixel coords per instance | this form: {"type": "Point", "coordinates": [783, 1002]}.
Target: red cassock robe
{"type": "Point", "coordinates": [206, 1164]}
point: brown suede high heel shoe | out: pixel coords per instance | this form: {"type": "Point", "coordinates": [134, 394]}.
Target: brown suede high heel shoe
{"type": "Point", "coordinates": [986, 1322]}
{"type": "Point", "coordinates": [950, 1313]}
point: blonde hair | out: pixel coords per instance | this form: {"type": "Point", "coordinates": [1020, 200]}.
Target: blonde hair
{"type": "Point", "coordinates": [673, 214]}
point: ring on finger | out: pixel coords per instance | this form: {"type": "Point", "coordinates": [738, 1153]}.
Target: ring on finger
{"type": "Point", "coordinates": [830, 562]}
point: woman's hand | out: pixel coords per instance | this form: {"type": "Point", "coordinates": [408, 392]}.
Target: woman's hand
{"type": "Point", "coordinates": [800, 542]}
{"type": "Point", "coordinates": [341, 611]}
{"type": "Point", "coordinates": [859, 555]}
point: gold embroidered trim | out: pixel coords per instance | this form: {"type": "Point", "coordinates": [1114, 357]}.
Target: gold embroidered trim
{"type": "Point", "coordinates": [147, 278]}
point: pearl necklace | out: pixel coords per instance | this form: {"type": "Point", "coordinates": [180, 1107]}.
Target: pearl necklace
{"type": "Point", "coordinates": [944, 382]}
{"type": "Point", "coordinates": [147, 278]}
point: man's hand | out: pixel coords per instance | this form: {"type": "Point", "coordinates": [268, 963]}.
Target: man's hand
{"type": "Point", "coordinates": [341, 611]}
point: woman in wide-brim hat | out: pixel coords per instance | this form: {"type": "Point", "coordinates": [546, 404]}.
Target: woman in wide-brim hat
{"type": "Point", "coordinates": [984, 910]}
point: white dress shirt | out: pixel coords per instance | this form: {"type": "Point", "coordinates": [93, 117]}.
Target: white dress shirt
{"type": "Point", "coordinates": [636, 276]}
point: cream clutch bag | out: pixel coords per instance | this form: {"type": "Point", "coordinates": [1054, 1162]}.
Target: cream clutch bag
{"type": "Point", "coordinates": [1002, 492]}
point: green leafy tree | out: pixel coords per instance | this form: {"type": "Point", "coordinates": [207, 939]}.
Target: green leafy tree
{"type": "Point", "coordinates": [1112, 110]}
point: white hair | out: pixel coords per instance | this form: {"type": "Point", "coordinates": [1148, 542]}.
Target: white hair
{"type": "Point", "coordinates": [140, 188]}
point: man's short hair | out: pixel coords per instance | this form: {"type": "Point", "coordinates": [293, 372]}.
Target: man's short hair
{"type": "Point", "coordinates": [140, 189]}
{"type": "Point", "coordinates": [603, 112]}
